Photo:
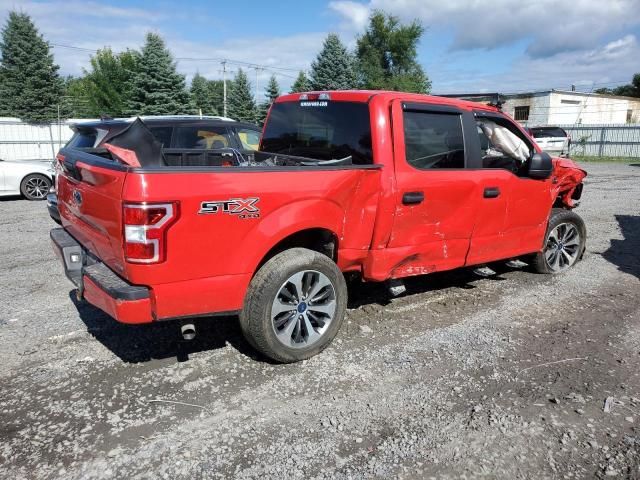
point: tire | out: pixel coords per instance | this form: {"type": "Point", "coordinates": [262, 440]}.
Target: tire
{"type": "Point", "coordinates": [294, 306]}
{"type": "Point", "coordinates": [35, 186]}
{"type": "Point", "coordinates": [564, 243]}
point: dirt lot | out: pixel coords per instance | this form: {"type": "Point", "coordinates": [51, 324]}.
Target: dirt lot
{"type": "Point", "coordinates": [463, 377]}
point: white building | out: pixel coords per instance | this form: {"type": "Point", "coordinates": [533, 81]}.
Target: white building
{"type": "Point", "coordinates": [558, 107]}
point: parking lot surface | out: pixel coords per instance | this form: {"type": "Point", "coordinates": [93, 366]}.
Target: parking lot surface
{"type": "Point", "coordinates": [500, 377]}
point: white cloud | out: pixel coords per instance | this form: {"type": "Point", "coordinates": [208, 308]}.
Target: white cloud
{"type": "Point", "coordinates": [356, 14]}
{"type": "Point", "coordinates": [551, 26]}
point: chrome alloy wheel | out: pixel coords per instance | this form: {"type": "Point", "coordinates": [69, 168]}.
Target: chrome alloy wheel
{"type": "Point", "coordinates": [303, 309]}
{"type": "Point", "coordinates": [37, 187]}
{"type": "Point", "coordinates": [563, 247]}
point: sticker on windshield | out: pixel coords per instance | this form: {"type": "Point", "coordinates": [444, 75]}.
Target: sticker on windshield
{"type": "Point", "coordinates": [242, 207]}
{"type": "Point", "coordinates": [314, 104]}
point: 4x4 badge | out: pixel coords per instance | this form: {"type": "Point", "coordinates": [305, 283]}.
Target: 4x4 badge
{"type": "Point", "coordinates": [242, 207]}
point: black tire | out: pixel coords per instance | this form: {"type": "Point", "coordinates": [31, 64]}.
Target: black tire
{"type": "Point", "coordinates": [560, 218]}
{"type": "Point", "coordinates": [35, 186]}
{"type": "Point", "coordinates": [259, 325]}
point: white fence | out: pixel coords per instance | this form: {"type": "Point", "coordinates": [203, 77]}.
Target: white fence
{"type": "Point", "coordinates": [24, 141]}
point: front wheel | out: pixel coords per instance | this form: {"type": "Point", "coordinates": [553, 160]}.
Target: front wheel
{"type": "Point", "coordinates": [35, 186]}
{"type": "Point", "coordinates": [294, 306]}
{"type": "Point", "coordinates": [564, 243]}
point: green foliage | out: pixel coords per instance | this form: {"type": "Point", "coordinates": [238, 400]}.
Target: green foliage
{"type": "Point", "coordinates": [157, 88]}
{"type": "Point", "coordinates": [333, 67]}
{"type": "Point", "coordinates": [630, 90]}
{"type": "Point", "coordinates": [301, 84]}
{"type": "Point", "coordinates": [241, 104]}
{"type": "Point", "coordinates": [30, 87]}
{"type": "Point", "coordinates": [216, 94]}
{"type": "Point", "coordinates": [271, 92]}
{"type": "Point", "coordinates": [387, 56]}
{"type": "Point", "coordinates": [201, 96]}
{"type": "Point", "coordinates": [109, 82]}
{"type": "Point", "coordinates": [76, 98]}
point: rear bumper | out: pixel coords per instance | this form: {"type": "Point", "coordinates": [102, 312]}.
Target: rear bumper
{"type": "Point", "coordinates": [99, 285]}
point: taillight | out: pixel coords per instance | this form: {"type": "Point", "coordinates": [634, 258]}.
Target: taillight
{"type": "Point", "coordinates": [145, 228]}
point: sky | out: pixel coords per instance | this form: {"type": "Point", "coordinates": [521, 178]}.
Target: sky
{"type": "Point", "coordinates": [468, 46]}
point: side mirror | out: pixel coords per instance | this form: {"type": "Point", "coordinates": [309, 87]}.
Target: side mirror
{"type": "Point", "coordinates": [540, 166]}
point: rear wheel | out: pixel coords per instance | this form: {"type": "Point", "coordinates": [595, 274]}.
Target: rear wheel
{"type": "Point", "coordinates": [295, 305]}
{"type": "Point", "coordinates": [564, 243]}
{"type": "Point", "coordinates": [35, 186]}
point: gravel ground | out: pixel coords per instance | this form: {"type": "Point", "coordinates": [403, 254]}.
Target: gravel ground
{"type": "Point", "coordinates": [463, 377]}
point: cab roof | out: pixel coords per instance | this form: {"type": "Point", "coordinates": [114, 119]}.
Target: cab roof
{"type": "Point", "coordinates": [385, 95]}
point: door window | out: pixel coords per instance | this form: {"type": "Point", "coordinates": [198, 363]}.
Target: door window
{"type": "Point", "coordinates": [502, 145]}
{"type": "Point", "coordinates": [202, 137]}
{"type": "Point", "coordinates": [433, 140]}
{"type": "Point", "coordinates": [250, 139]}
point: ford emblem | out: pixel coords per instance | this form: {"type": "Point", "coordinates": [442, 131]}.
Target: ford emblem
{"type": "Point", "coordinates": [77, 197]}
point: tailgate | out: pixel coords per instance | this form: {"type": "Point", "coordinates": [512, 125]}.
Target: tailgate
{"type": "Point", "coordinates": [90, 203]}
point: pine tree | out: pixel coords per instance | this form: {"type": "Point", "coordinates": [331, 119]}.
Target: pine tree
{"type": "Point", "coordinates": [76, 98]}
{"type": "Point", "coordinates": [271, 92]}
{"type": "Point", "coordinates": [157, 88]}
{"type": "Point", "coordinates": [333, 67]}
{"type": "Point", "coordinates": [30, 86]}
{"type": "Point", "coordinates": [201, 96]}
{"type": "Point", "coordinates": [216, 93]}
{"type": "Point", "coordinates": [108, 84]}
{"type": "Point", "coordinates": [386, 56]}
{"type": "Point", "coordinates": [301, 84]}
{"type": "Point", "coordinates": [241, 104]}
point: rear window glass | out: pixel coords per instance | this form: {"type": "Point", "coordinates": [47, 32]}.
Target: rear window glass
{"type": "Point", "coordinates": [202, 137]}
{"type": "Point", "coordinates": [83, 139]}
{"type": "Point", "coordinates": [322, 130]}
{"type": "Point", "coordinates": [163, 135]}
{"type": "Point", "coordinates": [548, 132]}
{"type": "Point", "coordinates": [433, 140]}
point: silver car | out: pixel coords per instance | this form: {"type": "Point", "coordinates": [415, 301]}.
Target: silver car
{"type": "Point", "coordinates": [32, 179]}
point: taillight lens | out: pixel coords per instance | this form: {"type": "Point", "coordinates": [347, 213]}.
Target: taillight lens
{"type": "Point", "coordinates": [145, 228]}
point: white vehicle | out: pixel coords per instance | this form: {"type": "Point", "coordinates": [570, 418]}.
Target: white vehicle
{"type": "Point", "coordinates": [553, 140]}
{"type": "Point", "coordinates": [32, 179]}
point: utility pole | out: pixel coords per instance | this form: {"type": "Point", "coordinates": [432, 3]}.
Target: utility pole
{"type": "Point", "coordinates": [257, 69]}
{"type": "Point", "coordinates": [224, 87]}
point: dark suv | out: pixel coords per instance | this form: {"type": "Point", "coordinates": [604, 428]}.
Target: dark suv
{"type": "Point", "coordinates": [179, 133]}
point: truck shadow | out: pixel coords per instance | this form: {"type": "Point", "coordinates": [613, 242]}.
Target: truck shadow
{"type": "Point", "coordinates": [162, 340]}
{"type": "Point", "coordinates": [624, 253]}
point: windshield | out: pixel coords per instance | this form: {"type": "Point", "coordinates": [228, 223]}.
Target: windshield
{"type": "Point", "coordinates": [322, 130]}
{"type": "Point", "coordinates": [548, 132]}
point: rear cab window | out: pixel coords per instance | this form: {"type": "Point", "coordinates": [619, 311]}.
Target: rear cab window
{"type": "Point", "coordinates": [433, 140]}
{"type": "Point", "coordinates": [322, 130]}
{"type": "Point", "coordinates": [202, 137]}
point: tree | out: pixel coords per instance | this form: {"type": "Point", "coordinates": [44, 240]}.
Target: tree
{"type": "Point", "coordinates": [630, 90]}
{"type": "Point", "coordinates": [109, 83]}
{"type": "Point", "coordinates": [387, 56]}
{"type": "Point", "coordinates": [271, 92]}
{"type": "Point", "coordinates": [241, 104]}
{"type": "Point", "coordinates": [201, 96]}
{"type": "Point", "coordinates": [216, 93]}
{"type": "Point", "coordinates": [301, 84]}
{"type": "Point", "coordinates": [333, 67]}
{"type": "Point", "coordinates": [31, 88]}
{"type": "Point", "coordinates": [76, 98]}
{"type": "Point", "coordinates": [157, 88]}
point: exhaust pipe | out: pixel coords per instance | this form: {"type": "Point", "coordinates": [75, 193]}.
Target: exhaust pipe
{"type": "Point", "coordinates": [188, 331]}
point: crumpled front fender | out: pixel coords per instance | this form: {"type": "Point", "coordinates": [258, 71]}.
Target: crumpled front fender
{"type": "Point", "coordinates": [567, 176]}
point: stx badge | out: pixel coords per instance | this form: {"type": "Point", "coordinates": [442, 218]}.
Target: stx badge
{"type": "Point", "coordinates": [242, 207]}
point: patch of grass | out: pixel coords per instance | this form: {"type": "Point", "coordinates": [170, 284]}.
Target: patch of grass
{"type": "Point", "coordinates": [579, 158]}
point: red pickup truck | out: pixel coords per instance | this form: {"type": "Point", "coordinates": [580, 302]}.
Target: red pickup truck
{"type": "Point", "coordinates": [384, 184]}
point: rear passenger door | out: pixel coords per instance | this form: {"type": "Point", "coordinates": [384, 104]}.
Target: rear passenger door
{"type": "Point", "coordinates": [438, 199]}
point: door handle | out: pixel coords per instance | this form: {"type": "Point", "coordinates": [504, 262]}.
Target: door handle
{"type": "Point", "coordinates": [491, 192]}
{"type": "Point", "coordinates": [412, 198]}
